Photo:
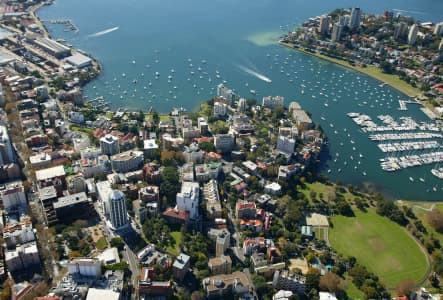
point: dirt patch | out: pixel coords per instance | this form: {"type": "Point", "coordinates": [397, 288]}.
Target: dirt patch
{"type": "Point", "coordinates": [377, 244]}
{"type": "Point", "coordinates": [96, 233]}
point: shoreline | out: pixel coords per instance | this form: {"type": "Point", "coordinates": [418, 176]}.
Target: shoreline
{"type": "Point", "coordinates": [45, 32]}
{"type": "Point", "coordinates": [406, 89]}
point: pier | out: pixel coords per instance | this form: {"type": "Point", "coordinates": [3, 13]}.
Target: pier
{"type": "Point", "coordinates": [392, 164]}
{"type": "Point", "coordinates": [408, 146]}
{"type": "Point", "coordinates": [70, 26]}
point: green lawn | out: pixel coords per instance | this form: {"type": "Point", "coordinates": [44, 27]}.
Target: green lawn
{"type": "Point", "coordinates": [419, 210]}
{"type": "Point", "coordinates": [101, 244]}
{"type": "Point", "coordinates": [352, 291]}
{"type": "Point", "coordinates": [379, 244]}
{"type": "Point", "coordinates": [321, 188]}
{"type": "Point", "coordinates": [174, 249]}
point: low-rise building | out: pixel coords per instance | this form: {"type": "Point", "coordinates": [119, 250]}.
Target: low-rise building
{"type": "Point", "coordinates": [127, 161]}
{"type": "Point", "coordinates": [150, 288]}
{"type": "Point", "coordinates": [290, 282]}
{"type": "Point", "coordinates": [88, 267]}
{"type": "Point", "coordinates": [219, 286]}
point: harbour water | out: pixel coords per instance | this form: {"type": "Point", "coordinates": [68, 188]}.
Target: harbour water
{"type": "Point", "coordinates": [170, 53]}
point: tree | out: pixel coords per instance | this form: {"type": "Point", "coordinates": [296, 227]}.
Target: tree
{"type": "Point", "coordinates": [170, 183]}
{"type": "Point", "coordinates": [330, 282]}
{"type": "Point", "coordinates": [435, 219]}
{"type": "Point", "coordinates": [406, 287]}
{"type": "Point", "coordinates": [118, 243]}
{"type": "Point", "coordinates": [312, 279]}
{"type": "Point", "coordinates": [260, 284]}
{"type": "Point", "coordinates": [207, 146]}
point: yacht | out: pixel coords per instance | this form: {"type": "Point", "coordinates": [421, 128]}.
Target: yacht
{"type": "Point", "coordinates": [411, 179]}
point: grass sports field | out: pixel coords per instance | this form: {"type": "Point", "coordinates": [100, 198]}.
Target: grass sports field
{"type": "Point", "coordinates": [379, 244]}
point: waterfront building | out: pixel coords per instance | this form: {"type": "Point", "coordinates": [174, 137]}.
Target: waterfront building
{"type": "Point", "coordinates": [52, 47]}
{"type": "Point", "coordinates": [109, 145]}
{"type": "Point", "coordinates": [301, 118]}
{"type": "Point", "coordinates": [323, 27]}
{"type": "Point", "coordinates": [273, 101]}
{"type": "Point", "coordinates": [355, 17]}
{"type": "Point", "coordinates": [79, 60]}
{"type": "Point", "coordinates": [88, 267]}
{"type": "Point", "coordinates": [127, 161]}
{"type": "Point", "coordinates": [400, 30]}
{"type": "Point", "coordinates": [438, 29]}
{"type": "Point", "coordinates": [115, 209]}
{"type": "Point", "coordinates": [224, 142]}
{"type": "Point", "coordinates": [337, 30]}
{"type": "Point", "coordinates": [220, 109]}
{"type": "Point", "coordinates": [412, 36]}
{"type": "Point", "coordinates": [220, 265]}
{"type": "Point", "coordinates": [188, 198]}
{"type": "Point", "coordinates": [225, 93]}
{"type": "Point", "coordinates": [6, 152]}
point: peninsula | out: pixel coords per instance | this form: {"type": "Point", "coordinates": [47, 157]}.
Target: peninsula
{"type": "Point", "coordinates": [397, 50]}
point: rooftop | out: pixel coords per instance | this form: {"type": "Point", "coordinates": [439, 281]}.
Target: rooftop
{"type": "Point", "coordinates": [181, 261]}
{"type": "Point", "coordinates": [70, 200]}
{"type": "Point", "coordinates": [50, 173]}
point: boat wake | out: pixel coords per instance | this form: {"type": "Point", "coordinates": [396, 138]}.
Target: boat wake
{"type": "Point", "coordinates": [103, 32]}
{"type": "Point", "coordinates": [256, 74]}
{"type": "Point", "coordinates": [410, 11]}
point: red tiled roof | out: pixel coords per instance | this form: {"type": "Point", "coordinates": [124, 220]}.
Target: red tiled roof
{"type": "Point", "coordinates": [176, 213]}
